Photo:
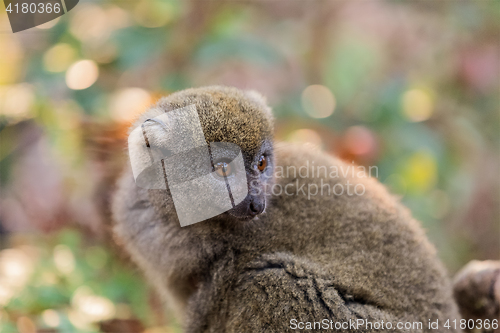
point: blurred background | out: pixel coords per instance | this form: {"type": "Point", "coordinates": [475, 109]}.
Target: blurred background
{"type": "Point", "coordinates": [410, 87]}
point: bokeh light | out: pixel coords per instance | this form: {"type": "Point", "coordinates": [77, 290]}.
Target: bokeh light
{"type": "Point", "coordinates": [89, 23]}
{"type": "Point", "coordinates": [16, 267]}
{"type": "Point", "coordinates": [51, 318]}
{"type": "Point", "coordinates": [417, 105]}
{"type": "Point", "coordinates": [93, 24]}
{"type": "Point", "coordinates": [127, 103]}
{"type": "Point", "coordinates": [153, 14]}
{"type": "Point", "coordinates": [82, 74]}
{"type": "Point", "coordinates": [420, 171]}
{"type": "Point", "coordinates": [318, 101]}
{"type": "Point", "coordinates": [79, 320]}
{"type": "Point", "coordinates": [16, 101]}
{"type": "Point", "coordinates": [94, 308]}
{"type": "Point", "coordinates": [64, 259]}
{"type": "Point", "coordinates": [59, 57]}
{"type": "Point", "coordinates": [359, 140]}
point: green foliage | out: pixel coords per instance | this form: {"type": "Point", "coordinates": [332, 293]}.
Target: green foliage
{"type": "Point", "coordinates": [94, 267]}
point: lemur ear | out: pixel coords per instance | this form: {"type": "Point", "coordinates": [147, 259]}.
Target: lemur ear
{"type": "Point", "coordinates": [259, 99]}
{"type": "Point", "coordinates": [256, 96]}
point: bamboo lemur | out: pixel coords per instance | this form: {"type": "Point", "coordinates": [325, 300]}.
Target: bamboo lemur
{"type": "Point", "coordinates": [278, 260]}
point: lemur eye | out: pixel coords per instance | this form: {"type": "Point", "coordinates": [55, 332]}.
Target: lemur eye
{"type": "Point", "coordinates": [262, 163]}
{"type": "Point", "coordinates": [223, 169]}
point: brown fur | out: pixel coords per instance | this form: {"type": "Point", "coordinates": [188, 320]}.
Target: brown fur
{"type": "Point", "coordinates": [328, 257]}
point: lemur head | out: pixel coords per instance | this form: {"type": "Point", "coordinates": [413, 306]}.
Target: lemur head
{"type": "Point", "coordinates": [234, 116]}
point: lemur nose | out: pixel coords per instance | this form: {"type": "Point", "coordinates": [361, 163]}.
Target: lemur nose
{"type": "Point", "coordinates": [257, 207]}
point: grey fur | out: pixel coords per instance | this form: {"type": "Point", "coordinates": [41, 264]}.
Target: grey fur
{"type": "Point", "coordinates": [328, 257]}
